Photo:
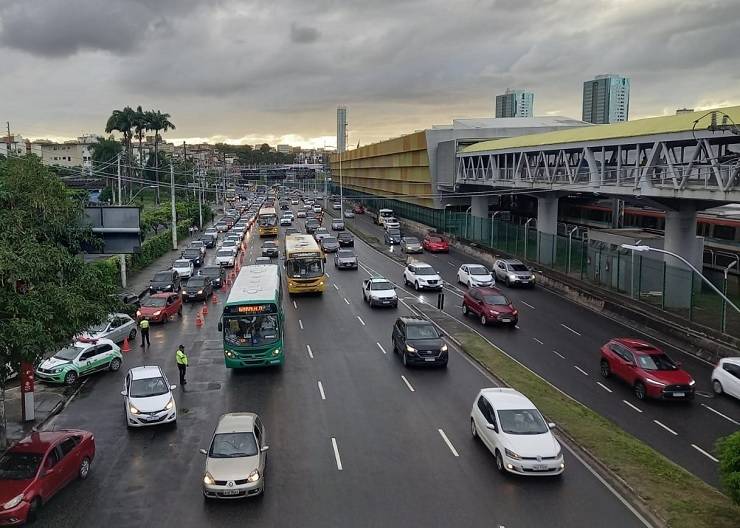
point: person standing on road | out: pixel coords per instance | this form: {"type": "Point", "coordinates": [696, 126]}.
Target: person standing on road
{"type": "Point", "coordinates": [182, 363]}
{"type": "Point", "coordinates": [144, 327]}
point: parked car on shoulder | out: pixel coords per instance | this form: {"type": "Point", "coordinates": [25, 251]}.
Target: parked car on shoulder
{"type": "Point", "coordinates": [147, 397]}
{"type": "Point", "coordinates": [513, 272]}
{"type": "Point", "coordinates": [726, 377]}
{"type": "Point", "coordinates": [378, 291]}
{"type": "Point", "coordinates": [490, 306]}
{"type": "Point", "coordinates": [158, 308]}
{"type": "Point", "coordinates": [345, 259]}
{"type": "Point", "coordinates": [81, 358]}
{"type": "Point", "coordinates": [435, 244]}
{"type": "Point", "coordinates": [117, 327]}
{"type": "Point", "coordinates": [473, 275]}
{"type": "Point", "coordinates": [215, 274]}
{"type": "Point", "coordinates": [411, 245]}
{"type": "Point", "coordinates": [164, 281]}
{"type": "Point", "coordinates": [418, 342]}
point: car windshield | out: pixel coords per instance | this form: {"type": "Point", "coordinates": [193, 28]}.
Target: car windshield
{"type": "Point", "coordinates": [225, 253]}
{"type": "Point", "coordinates": [435, 239]}
{"type": "Point", "coordinates": [495, 299]}
{"type": "Point", "coordinates": [344, 253]}
{"type": "Point", "coordinates": [19, 466]}
{"type": "Point", "coordinates": [518, 267]}
{"type": "Point", "coordinates": [197, 243]}
{"type": "Point", "coordinates": [322, 231]}
{"type": "Point", "coordinates": [211, 271]}
{"type": "Point", "coordinates": [522, 422]}
{"type": "Point", "coordinates": [381, 285]}
{"type": "Point", "coordinates": [421, 331]}
{"type": "Point", "coordinates": [144, 388]}
{"type": "Point", "coordinates": [394, 232]}
{"type": "Point", "coordinates": [100, 327]}
{"type": "Point", "coordinates": [478, 270]}
{"type": "Point", "coordinates": [425, 270]}
{"type": "Point", "coordinates": [329, 241]}
{"type": "Point", "coordinates": [251, 330]}
{"type": "Point", "coordinates": [191, 252]}
{"type": "Point", "coordinates": [233, 445]}
{"type": "Point", "coordinates": [163, 276]}
{"type": "Point", "coordinates": [656, 362]}
{"type": "Point", "coordinates": [68, 353]}
{"type": "Point", "coordinates": [154, 302]}
{"type": "Point", "coordinates": [182, 264]}
{"type": "Point", "coordinates": [269, 245]}
{"type": "Point", "coordinates": [197, 282]}
{"type": "Point", "coordinates": [411, 240]}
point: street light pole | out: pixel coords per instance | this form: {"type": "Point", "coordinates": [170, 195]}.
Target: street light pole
{"type": "Point", "coordinates": [526, 237]}
{"type": "Point", "coordinates": [724, 288]}
{"type": "Point", "coordinates": [174, 212]}
{"type": "Point", "coordinates": [570, 240]}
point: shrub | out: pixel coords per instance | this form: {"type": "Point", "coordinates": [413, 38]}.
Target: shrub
{"type": "Point", "coordinates": [728, 449]}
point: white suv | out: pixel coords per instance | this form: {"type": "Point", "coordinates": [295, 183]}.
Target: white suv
{"type": "Point", "coordinates": [421, 275]}
{"type": "Point", "coordinates": [726, 377]}
{"type": "Point", "coordinates": [147, 397]}
{"type": "Point", "coordinates": [512, 428]}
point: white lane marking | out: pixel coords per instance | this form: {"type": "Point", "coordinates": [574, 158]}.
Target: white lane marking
{"type": "Point", "coordinates": [579, 369]}
{"type": "Point", "coordinates": [451, 264]}
{"type": "Point", "coordinates": [407, 383]}
{"type": "Point", "coordinates": [447, 441]}
{"type": "Point", "coordinates": [540, 342]}
{"type": "Point", "coordinates": [516, 326]}
{"type": "Point", "coordinates": [336, 453]}
{"type": "Point", "coordinates": [300, 323]}
{"type": "Point", "coordinates": [381, 348]}
{"type": "Point", "coordinates": [295, 305]}
{"type": "Point", "coordinates": [327, 274]}
{"type": "Point", "coordinates": [629, 404]}
{"type": "Point", "coordinates": [335, 286]}
{"type": "Point", "coordinates": [569, 328]}
{"type": "Point", "coordinates": [708, 455]}
{"type": "Point", "coordinates": [321, 391]}
{"type": "Point", "coordinates": [715, 411]}
{"type": "Point", "coordinates": [527, 304]}
{"type": "Point", "coordinates": [345, 300]}
{"type": "Point", "coordinates": [664, 426]}
{"type": "Point", "coordinates": [558, 354]}
{"type": "Point", "coordinates": [607, 389]}
{"type": "Point", "coordinates": [360, 319]}
{"type": "Point", "coordinates": [310, 354]}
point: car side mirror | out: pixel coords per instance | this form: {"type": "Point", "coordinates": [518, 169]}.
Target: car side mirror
{"type": "Point", "coordinates": [442, 334]}
{"type": "Point", "coordinates": [491, 427]}
{"type": "Point", "coordinates": [220, 326]}
{"type": "Point", "coordinates": [173, 387]}
{"type": "Point", "coordinates": [123, 393]}
{"type": "Point", "coordinates": [202, 451]}
{"type": "Point", "coordinates": [48, 471]}
{"type": "Point", "coordinates": [265, 448]}
{"type": "Point", "coordinates": [551, 425]}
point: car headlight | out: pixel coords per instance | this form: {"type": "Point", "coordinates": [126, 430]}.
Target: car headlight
{"type": "Point", "coordinates": [511, 454]}
{"type": "Point", "coordinates": [184, 292]}
{"type": "Point", "coordinates": [276, 352]}
{"type": "Point", "coordinates": [138, 313]}
{"type": "Point", "coordinates": [170, 404]}
{"type": "Point", "coordinates": [692, 383]}
{"type": "Point", "coordinates": [254, 476]}
{"type": "Point", "coordinates": [200, 291]}
{"type": "Point", "coordinates": [157, 313]}
{"type": "Point", "coordinates": [12, 503]}
{"type": "Point", "coordinates": [132, 409]}
{"type": "Point", "coordinates": [229, 354]}
{"type": "Point", "coordinates": [168, 287]}
{"type": "Point", "coordinates": [653, 382]}
{"type": "Point", "coordinates": [409, 348]}
{"type": "Point", "coordinates": [444, 348]}
{"type": "Point", "coordinates": [208, 479]}
{"type": "Point", "coordinates": [57, 369]}
{"type": "Point", "coordinates": [512, 277]}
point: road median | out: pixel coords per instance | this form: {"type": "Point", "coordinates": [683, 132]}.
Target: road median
{"type": "Point", "coordinates": [673, 496]}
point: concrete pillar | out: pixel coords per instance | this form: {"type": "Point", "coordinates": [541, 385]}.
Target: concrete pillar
{"type": "Point", "coordinates": [478, 225]}
{"type": "Point", "coordinates": [680, 238]}
{"type": "Point", "coordinates": [547, 228]}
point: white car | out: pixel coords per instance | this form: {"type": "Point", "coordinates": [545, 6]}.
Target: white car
{"type": "Point", "coordinates": [391, 223]}
{"type": "Point", "coordinates": [726, 377]}
{"type": "Point", "coordinates": [379, 292]}
{"type": "Point", "coordinates": [286, 221]}
{"type": "Point", "coordinates": [421, 276]}
{"type": "Point", "coordinates": [316, 208]}
{"type": "Point", "coordinates": [301, 214]}
{"type": "Point", "coordinates": [321, 232]}
{"type": "Point", "coordinates": [184, 268]}
{"type": "Point", "coordinates": [475, 275]}
{"type": "Point", "coordinates": [226, 257]}
{"type": "Point", "coordinates": [147, 397]}
{"type": "Point", "coordinates": [294, 202]}
{"type": "Point", "coordinates": [512, 428]}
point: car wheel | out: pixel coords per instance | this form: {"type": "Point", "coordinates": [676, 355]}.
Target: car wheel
{"type": "Point", "coordinates": [717, 387]}
{"type": "Point", "coordinates": [500, 462]}
{"type": "Point", "coordinates": [70, 378]}
{"type": "Point", "coordinates": [115, 364]}
{"type": "Point", "coordinates": [404, 360]}
{"type": "Point", "coordinates": [465, 309]}
{"type": "Point", "coordinates": [132, 334]}
{"type": "Point", "coordinates": [416, 285]}
{"type": "Point", "coordinates": [605, 370]}
{"type": "Point", "coordinates": [483, 320]}
{"type": "Point", "coordinates": [84, 468]}
{"type": "Point", "coordinates": [640, 391]}
{"type": "Point", "coordinates": [33, 510]}
{"type": "Point", "coordinates": [469, 285]}
{"type": "Point", "coordinates": [405, 281]}
{"type": "Point", "coordinates": [473, 430]}
{"type": "Point", "coordinates": [507, 282]}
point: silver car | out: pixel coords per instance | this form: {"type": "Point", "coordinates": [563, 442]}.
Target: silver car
{"type": "Point", "coordinates": [117, 327]}
{"type": "Point", "coordinates": [513, 273]}
{"type": "Point", "coordinates": [411, 245]}
{"type": "Point", "coordinates": [235, 461]}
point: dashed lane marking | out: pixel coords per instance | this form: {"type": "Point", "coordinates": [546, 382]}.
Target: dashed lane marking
{"type": "Point", "coordinates": [336, 453]}
{"type": "Point", "coordinates": [381, 348]}
{"type": "Point", "coordinates": [709, 456]}
{"type": "Point", "coordinates": [360, 319]}
{"type": "Point", "coordinates": [607, 389]}
{"type": "Point", "coordinates": [579, 369]}
{"type": "Point", "coordinates": [561, 356]}
{"type": "Point", "coordinates": [321, 391]}
{"type": "Point", "coordinates": [300, 323]}
{"type": "Point", "coordinates": [407, 383]}
{"type": "Point", "coordinates": [310, 353]}
{"type": "Point", "coordinates": [527, 304]}
{"type": "Point", "coordinates": [540, 342]}
{"type": "Point", "coordinates": [569, 328]}
{"type": "Point", "coordinates": [664, 426]}
{"type": "Point", "coordinates": [630, 405]}
{"type": "Point", "coordinates": [447, 441]}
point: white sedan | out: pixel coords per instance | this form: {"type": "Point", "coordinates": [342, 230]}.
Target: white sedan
{"type": "Point", "coordinates": [512, 428]}
{"type": "Point", "coordinates": [184, 268]}
{"type": "Point", "coordinates": [147, 397]}
{"type": "Point", "coordinates": [726, 377]}
{"type": "Point", "coordinates": [474, 275]}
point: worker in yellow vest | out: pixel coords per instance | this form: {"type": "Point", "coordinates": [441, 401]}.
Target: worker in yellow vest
{"type": "Point", "coordinates": [144, 327]}
{"type": "Point", "coordinates": [182, 363]}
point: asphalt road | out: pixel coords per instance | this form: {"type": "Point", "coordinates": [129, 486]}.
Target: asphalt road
{"type": "Point", "coordinates": [351, 444]}
{"type": "Point", "coordinates": [560, 340]}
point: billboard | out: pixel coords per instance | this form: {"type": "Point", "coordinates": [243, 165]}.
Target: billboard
{"type": "Point", "coordinates": [117, 226]}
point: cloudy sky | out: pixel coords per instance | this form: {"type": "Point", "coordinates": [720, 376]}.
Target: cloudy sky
{"type": "Point", "coordinates": [275, 70]}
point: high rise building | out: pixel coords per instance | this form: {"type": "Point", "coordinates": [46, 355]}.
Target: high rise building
{"type": "Point", "coordinates": [515, 103]}
{"type": "Point", "coordinates": [606, 99]}
{"type": "Point", "coordinates": [341, 128]}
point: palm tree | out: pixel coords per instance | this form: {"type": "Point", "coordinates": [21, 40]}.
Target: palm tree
{"type": "Point", "coordinates": [157, 121]}
{"type": "Point", "coordinates": [141, 125]}
{"type": "Point", "coordinates": [123, 121]}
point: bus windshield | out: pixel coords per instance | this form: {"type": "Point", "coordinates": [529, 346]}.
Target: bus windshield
{"type": "Point", "coordinates": [268, 220]}
{"type": "Point", "coordinates": [252, 330]}
{"type": "Point", "coordinates": [305, 268]}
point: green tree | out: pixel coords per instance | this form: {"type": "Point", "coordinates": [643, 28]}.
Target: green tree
{"type": "Point", "coordinates": [728, 449]}
{"type": "Point", "coordinates": [141, 125]}
{"type": "Point", "coordinates": [123, 121]}
{"type": "Point", "coordinates": [104, 154]}
{"type": "Point", "coordinates": [157, 121]}
{"type": "Point", "coordinates": [47, 292]}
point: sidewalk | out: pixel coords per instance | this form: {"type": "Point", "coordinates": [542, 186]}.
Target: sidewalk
{"type": "Point", "coordinates": [48, 400]}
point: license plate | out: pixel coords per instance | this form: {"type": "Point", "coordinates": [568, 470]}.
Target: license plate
{"type": "Point", "coordinates": [540, 467]}
{"type": "Point", "coordinates": [679, 394]}
{"type": "Point", "coordinates": [506, 320]}
{"type": "Point", "coordinates": [525, 281]}
{"type": "Point", "coordinates": [231, 492]}
{"type": "Point", "coordinates": [429, 359]}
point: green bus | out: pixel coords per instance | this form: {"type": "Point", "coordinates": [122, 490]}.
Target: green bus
{"type": "Point", "coordinates": [252, 319]}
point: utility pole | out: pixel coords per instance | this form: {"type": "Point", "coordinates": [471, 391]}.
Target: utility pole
{"type": "Point", "coordinates": [8, 138]}
{"type": "Point", "coordinates": [200, 200]}
{"type": "Point", "coordinates": [120, 203]}
{"type": "Point", "coordinates": [118, 161]}
{"type": "Point", "coordinates": [174, 212]}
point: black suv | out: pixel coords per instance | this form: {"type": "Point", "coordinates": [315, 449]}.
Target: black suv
{"type": "Point", "coordinates": [198, 288]}
{"type": "Point", "coordinates": [346, 239]}
{"type": "Point", "coordinates": [209, 240]}
{"type": "Point", "coordinates": [165, 281]}
{"type": "Point", "coordinates": [194, 255]}
{"type": "Point", "coordinates": [392, 236]}
{"type": "Point", "coordinates": [216, 274]}
{"type": "Point", "coordinates": [419, 342]}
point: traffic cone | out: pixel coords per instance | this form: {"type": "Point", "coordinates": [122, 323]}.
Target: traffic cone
{"type": "Point", "coordinates": [198, 320]}
{"type": "Point", "coordinates": [214, 299]}
{"type": "Point", "coordinates": [126, 347]}
{"type": "Point", "coordinates": [205, 308]}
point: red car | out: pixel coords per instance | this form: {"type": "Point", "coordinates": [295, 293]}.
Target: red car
{"type": "Point", "coordinates": [37, 467]}
{"type": "Point", "coordinates": [358, 209]}
{"type": "Point", "coordinates": [435, 244]}
{"type": "Point", "coordinates": [647, 369]}
{"type": "Point", "coordinates": [158, 308]}
{"type": "Point", "coordinates": [490, 305]}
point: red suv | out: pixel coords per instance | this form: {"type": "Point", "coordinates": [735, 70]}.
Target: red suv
{"type": "Point", "coordinates": [358, 209]}
{"type": "Point", "coordinates": [158, 308]}
{"type": "Point", "coordinates": [435, 244]}
{"type": "Point", "coordinates": [490, 305]}
{"type": "Point", "coordinates": [647, 369]}
{"type": "Point", "coordinates": [39, 466]}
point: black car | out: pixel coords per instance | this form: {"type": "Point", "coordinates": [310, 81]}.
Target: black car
{"type": "Point", "coordinates": [216, 274]}
{"type": "Point", "coordinates": [194, 255]}
{"type": "Point", "coordinates": [346, 239]}
{"type": "Point", "coordinates": [419, 342]}
{"type": "Point", "coordinates": [392, 236]}
{"type": "Point", "coordinates": [165, 281]}
{"type": "Point", "coordinates": [130, 302]}
{"type": "Point", "coordinates": [270, 249]}
{"type": "Point", "coordinates": [197, 288]}
{"type": "Point", "coordinates": [291, 231]}
{"type": "Point", "coordinates": [329, 244]}
{"type": "Point", "coordinates": [209, 240]}
{"type": "Point", "coordinates": [312, 225]}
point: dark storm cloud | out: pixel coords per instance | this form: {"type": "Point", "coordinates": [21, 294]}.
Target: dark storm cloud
{"type": "Point", "coordinates": [303, 34]}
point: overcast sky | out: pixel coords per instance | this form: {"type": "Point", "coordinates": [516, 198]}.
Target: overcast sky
{"type": "Point", "coordinates": [246, 71]}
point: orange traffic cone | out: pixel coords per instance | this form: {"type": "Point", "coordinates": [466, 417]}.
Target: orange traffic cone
{"type": "Point", "coordinates": [214, 299]}
{"type": "Point", "coordinates": [205, 308]}
{"type": "Point", "coordinates": [126, 347]}
{"type": "Point", "coordinates": [198, 320]}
